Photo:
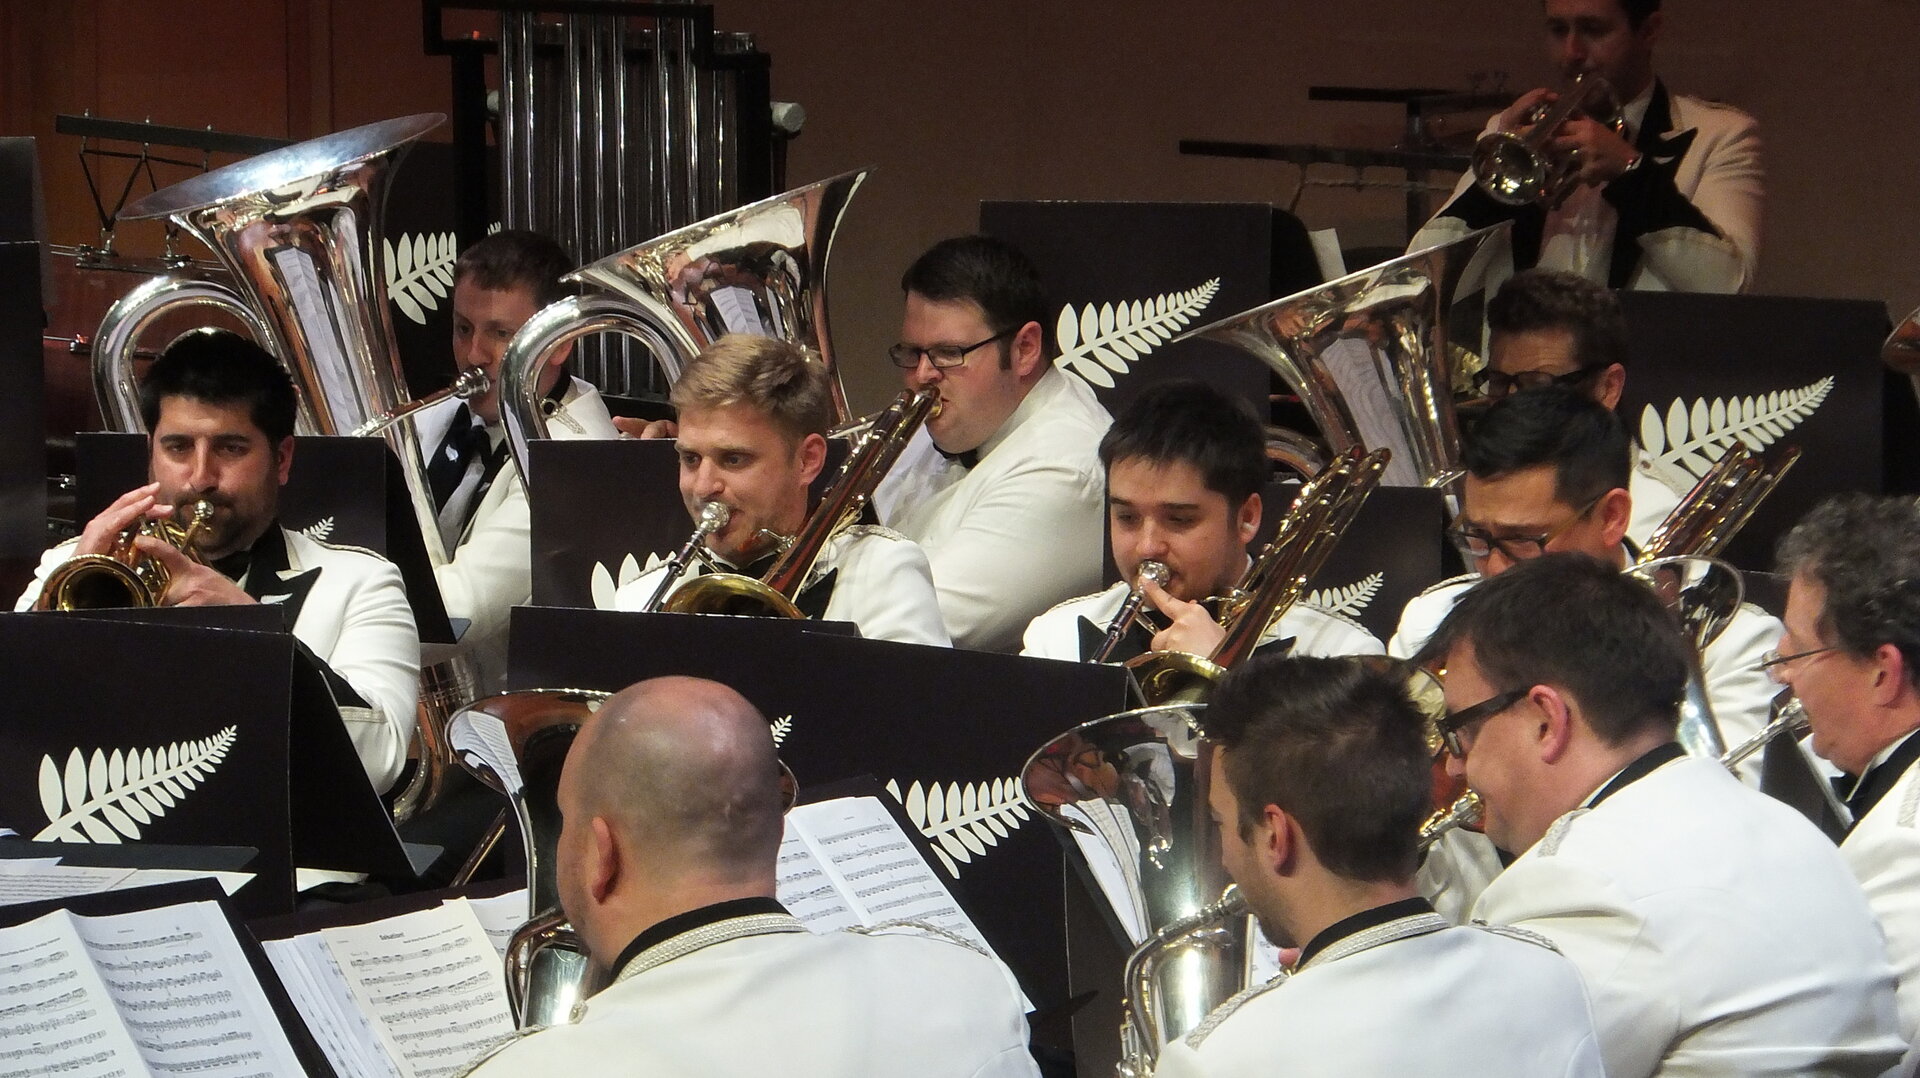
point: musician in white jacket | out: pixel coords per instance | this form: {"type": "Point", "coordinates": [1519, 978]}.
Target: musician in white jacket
{"type": "Point", "coordinates": [1718, 931]}
{"type": "Point", "coordinates": [1185, 467]}
{"type": "Point", "coordinates": [666, 868]}
{"type": "Point", "coordinates": [1851, 653]}
{"type": "Point", "coordinates": [1321, 779]}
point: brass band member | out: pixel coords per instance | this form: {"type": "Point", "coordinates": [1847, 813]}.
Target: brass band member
{"type": "Point", "coordinates": [1002, 489]}
{"type": "Point", "coordinates": [220, 413]}
{"type": "Point", "coordinates": [1673, 204]}
{"type": "Point", "coordinates": [1851, 652]}
{"type": "Point", "coordinates": [1321, 779]}
{"type": "Point", "coordinates": [499, 283]}
{"type": "Point", "coordinates": [753, 416]}
{"type": "Point", "coordinates": [1185, 467]}
{"type": "Point", "coordinates": [1718, 931]}
{"type": "Point", "coordinates": [666, 867]}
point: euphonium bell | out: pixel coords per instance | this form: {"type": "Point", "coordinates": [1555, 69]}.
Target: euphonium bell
{"type": "Point", "coordinates": [122, 577]}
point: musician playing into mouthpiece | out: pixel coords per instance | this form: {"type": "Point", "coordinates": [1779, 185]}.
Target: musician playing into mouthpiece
{"type": "Point", "coordinates": [220, 412]}
{"type": "Point", "coordinates": [1851, 653]}
{"type": "Point", "coordinates": [753, 413]}
{"type": "Point", "coordinates": [1550, 327]}
{"type": "Point", "coordinates": [1718, 931]}
{"type": "Point", "coordinates": [1185, 466]}
{"type": "Point", "coordinates": [1671, 205]}
{"type": "Point", "coordinates": [1002, 488]}
{"type": "Point", "coordinates": [485, 523]}
{"type": "Point", "coordinates": [1320, 781]}
{"type": "Point", "coordinates": [666, 866]}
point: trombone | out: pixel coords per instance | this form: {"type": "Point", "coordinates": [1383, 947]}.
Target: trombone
{"type": "Point", "coordinates": [1131, 610]}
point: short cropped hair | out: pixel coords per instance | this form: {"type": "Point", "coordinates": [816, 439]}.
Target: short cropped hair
{"type": "Point", "coordinates": [989, 272]}
{"type": "Point", "coordinates": [1542, 299]}
{"type": "Point", "coordinates": [1864, 550]}
{"type": "Point", "coordinates": [766, 374]}
{"type": "Point", "coordinates": [1338, 745]}
{"type": "Point", "coordinates": [1558, 425]}
{"type": "Point", "coordinates": [1637, 11]}
{"type": "Point", "coordinates": [1190, 422]}
{"type": "Point", "coordinates": [214, 366]}
{"type": "Point", "coordinates": [515, 258]}
{"type": "Point", "coordinates": [1570, 621]}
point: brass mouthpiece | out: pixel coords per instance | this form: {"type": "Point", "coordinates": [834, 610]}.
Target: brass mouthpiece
{"type": "Point", "coordinates": [714, 516]}
{"type": "Point", "coordinates": [1154, 571]}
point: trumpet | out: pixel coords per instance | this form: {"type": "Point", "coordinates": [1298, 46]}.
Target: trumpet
{"type": "Point", "coordinates": [1130, 610]}
{"type": "Point", "coordinates": [1517, 167]}
{"type": "Point", "coordinates": [122, 577]}
{"type": "Point", "coordinates": [713, 517]}
{"type": "Point", "coordinates": [473, 382]}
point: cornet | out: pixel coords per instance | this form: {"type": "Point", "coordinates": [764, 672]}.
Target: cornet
{"type": "Point", "coordinates": [122, 577]}
{"type": "Point", "coordinates": [1130, 610]}
{"type": "Point", "coordinates": [1520, 167]}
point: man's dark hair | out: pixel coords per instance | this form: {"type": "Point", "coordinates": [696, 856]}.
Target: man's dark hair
{"type": "Point", "coordinates": [1336, 744]}
{"type": "Point", "coordinates": [1569, 621]}
{"type": "Point", "coordinates": [1542, 299]}
{"type": "Point", "coordinates": [991, 273]}
{"type": "Point", "coordinates": [1638, 10]}
{"type": "Point", "coordinates": [214, 366]}
{"type": "Point", "coordinates": [1864, 551]}
{"type": "Point", "coordinates": [515, 258]}
{"type": "Point", "coordinates": [1557, 425]}
{"type": "Point", "coordinates": [1187, 421]}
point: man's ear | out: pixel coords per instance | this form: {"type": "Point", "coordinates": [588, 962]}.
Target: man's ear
{"type": "Point", "coordinates": [813, 457]}
{"type": "Point", "coordinates": [1247, 523]}
{"type": "Point", "coordinates": [283, 459]}
{"type": "Point", "coordinates": [1553, 720]}
{"type": "Point", "coordinates": [1614, 511]}
{"type": "Point", "coordinates": [1889, 675]}
{"type": "Point", "coordinates": [1610, 385]}
{"type": "Point", "coordinates": [603, 861]}
{"type": "Point", "coordinates": [1028, 351]}
{"type": "Point", "coordinates": [1278, 840]}
{"type": "Point", "coordinates": [1650, 28]}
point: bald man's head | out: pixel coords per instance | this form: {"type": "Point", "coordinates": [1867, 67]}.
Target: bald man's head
{"type": "Point", "coordinates": [684, 771]}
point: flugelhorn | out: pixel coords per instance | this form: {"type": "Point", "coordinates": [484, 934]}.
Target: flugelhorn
{"type": "Point", "coordinates": [473, 382]}
{"type": "Point", "coordinates": [1519, 167]}
{"type": "Point", "coordinates": [713, 517]}
{"type": "Point", "coordinates": [1130, 610]}
{"type": "Point", "coordinates": [774, 596]}
{"type": "Point", "coordinates": [122, 577]}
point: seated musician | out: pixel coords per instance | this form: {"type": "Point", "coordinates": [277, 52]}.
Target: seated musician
{"type": "Point", "coordinates": [1003, 487]}
{"type": "Point", "coordinates": [220, 413]}
{"type": "Point", "coordinates": [485, 523]}
{"type": "Point", "coordinates": [1321, 781]}
{"type": "Point", "coordinates": [666, 867]}
{"type": "Point", "coordinates": [1550, 327]}
{"type": "Point", "coordinates": [753, 417]}
{"type": "Point", "coordinates": [1851, 653]}
{"type": "Point", "coordinates": [1718, 931]}
{"type": "Point", "coordinates": [1185, 467]}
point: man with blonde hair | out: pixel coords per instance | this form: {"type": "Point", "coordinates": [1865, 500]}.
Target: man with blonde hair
{"type": "Point", "coordinates": [752, 423]}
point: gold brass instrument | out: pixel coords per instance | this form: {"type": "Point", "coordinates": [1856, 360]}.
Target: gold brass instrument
{"type": "Point", "coordinates": [759, 269]}
{"type": "Point", "coordinates": [1368, 356]}
{"type": "Point", "coordinates": [1721, 503]}
{"type": "Point", "coordinates": [1465, 811]}
{"type": "Point", "coordinates": [122, 577]}
{"type": "Point", "coordinates": [1788, 719]}
{"type": "Point", "coordinates": [1130, 610]}
{"type": "Point", "coordinates": [473, 382]}
{"type": "Point", "coordinates": [873, 454]}
{"type": "Point", "coordinates": [1901, 352]}
{"type": "Point", "coordinates": [713, 517]}
{"type": "Point", "coordinates": [1321, 512]}
{"type": "Point", "coordinates": [1519, 168]}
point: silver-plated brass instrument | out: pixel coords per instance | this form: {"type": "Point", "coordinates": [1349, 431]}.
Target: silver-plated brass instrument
{"type": "Point", "coordinates": [1787, 719]}
{"type": "Point", "coordinates": [122, 577]}
{"type": "Point", "coordinates": [713, 517]}
{"type": "Point", "coordinates": [1218, 925]}
{"type": "Point", "coordinates": [1705, 594]}
{"type": "Point", "coordinates": [1520, 167]}
{"type": "Point", "coordinates": [1130, 610]}
{"type": "Point", "coordinates": [473, 382]}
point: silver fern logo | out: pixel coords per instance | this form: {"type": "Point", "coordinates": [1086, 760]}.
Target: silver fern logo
{"type": "Point", "coordinates": [962, 819]}
{"type": "Point", "coordinates": [1682, 445]}
{"type": "Point", "coordinates": [1350, 600]}
{"type": "Point", "coordinates": [782, 726]}
{"type": "Point", "coordinates": [1097, 343]}
{"type": "Point", "coordinates": [419, 272]}
{"type": "Point", "coordinates": [318, 530]}
{"type": "Point", "coordinates": [106, 798]}
{"type": "Point", "coordinates": [605, 582]}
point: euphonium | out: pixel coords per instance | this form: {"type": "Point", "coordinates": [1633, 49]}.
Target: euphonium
{"type": "Point", "coordinates": [873, 454]}
{"type": "Point", "coordinates": [1520, 167]}
{"type": "Point", "coordinates": [1130, 610]}
{"type": "Point", "coordinates": [122, 577]}
{"type": "Point", "coordinates": [1219, 925]}
{"type": "Point", "coordinates": [473, 382]}
{"type": "Point", "coordinates": [713, 517]}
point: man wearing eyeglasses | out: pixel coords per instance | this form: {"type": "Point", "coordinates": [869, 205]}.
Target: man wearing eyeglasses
{"type": "Point", "coordinates": [1717, 930]}
{"type": "Point", "coordinates": [1003, 488]}
{"type": "Point", "coordinates": [1851, 653]}
{"type": "Point", "coordinates": [1550, 327]}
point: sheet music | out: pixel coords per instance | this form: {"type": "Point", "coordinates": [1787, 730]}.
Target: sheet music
{"type": "Point", "coordinates": [864, 850]}
{"type": "Point", "coordinates": [186, 992]}
{"type": "Point", "coordinates": [36, 880]}
{"type": "Point", "coordinates": [500, 916]}
{"type": "Point", "coordinates": [1113, 855]}
{"type": "Point", "coordinates": [148, 877]}
{"type": "Point", "coordinates": [432, 983]}
{"type": "Point", "coordinates": [56, 1016]}
{"type": "Point", "coordinates": [319, 992]}
{"type": "Point", "coordinates": [805, 889]}
{"type": "Point", "coordinates": [485, 736]}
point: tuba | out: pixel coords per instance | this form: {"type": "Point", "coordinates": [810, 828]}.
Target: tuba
{"type": "Point", "coordinates": [759, 269]}
{"type": "Point", "coordinates": [1519, 168]}
{"type": "Point", "coordinates": [122, 577]}
{"type": "Point", "coordinates": [873, 454]}
{"type": "Point", "coordinates": [1368, 356]}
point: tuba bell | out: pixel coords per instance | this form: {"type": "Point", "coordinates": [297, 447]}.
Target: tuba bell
{"type": "Point", "coordinates": [122, 577]}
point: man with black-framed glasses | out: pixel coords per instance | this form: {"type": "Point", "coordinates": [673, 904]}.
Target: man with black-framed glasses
{"type": "Point", "coordinates": [1717, 930]}
{"type": "Point", "coordinates": [1851, 653]}
{"type": "Point", "coordinates": [1003, 489]}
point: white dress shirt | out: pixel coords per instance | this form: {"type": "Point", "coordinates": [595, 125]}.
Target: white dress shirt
{"type": "Point", "coordinates": [1883, 851]}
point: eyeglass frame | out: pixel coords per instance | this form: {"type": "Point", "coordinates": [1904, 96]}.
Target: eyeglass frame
{"type": "Point", "coordinates": [895, 352]}
{"type": "Point", "coordinates": [1459, 537]}
{"type": "Point", "coordinates": [1454, 723]}
{"type": "Point", "coordinates": [1771, 660]}
{"type": "Point", "coordinates": [1484, 375]}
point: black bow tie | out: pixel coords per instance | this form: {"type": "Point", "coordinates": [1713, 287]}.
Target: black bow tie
{"type": "Point", "coordinates": [966, 458]}
{"type": "Point", "coordinates": [466, 441]}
